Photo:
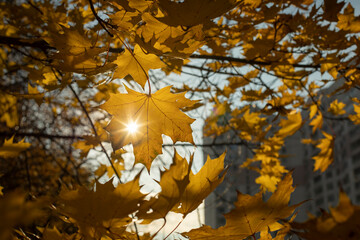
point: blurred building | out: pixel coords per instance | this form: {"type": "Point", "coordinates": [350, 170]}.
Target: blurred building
{"type": "Point", "coordinates": [321, 189]}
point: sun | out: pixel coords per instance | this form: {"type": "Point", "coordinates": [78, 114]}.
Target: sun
{"type": "Point", "coordinates": [132, 127]}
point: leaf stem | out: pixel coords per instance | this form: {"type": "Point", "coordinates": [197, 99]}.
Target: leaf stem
{"type": "Point", "coordinates": [174, 228]}
{"type": "Point", "coordinates": [159, 229]}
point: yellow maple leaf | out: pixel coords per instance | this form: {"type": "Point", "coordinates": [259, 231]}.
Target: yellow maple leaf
{"type": "Point", "coordinates": [55, 234]}
{"type": "Point", "coordinates": [313, 111]}
{"type": "Point", "coordinates": [290, 125]}
{"type": "Point", "coordinates": [201, 185]}
{"type": "Point", "coordinates": [337, 108]}
{"type": "Point", "coordinates": [194, 12]}
{"type": "Point", "coordinates": [157, 29]}
{"type": "Point", "coordinates": [8, 110]}
{"type": "Point", "coordinates": [11, 149]}
{"type": "Point", "coordinates": [140, 5]}
{"type": "Point", "coordinates": [76, 53]}
{"type": "Point", "coordinates": [155, 114]}
{"type": "Point", "coordinates": [124, 19]}
{"type": "Point", "coordinates": [101, 212]}
{"type": "Point", "coordinates": [348, 21]}
{"type": "Point", "coordinates": [173, 183]}
{"type": "Point", "coordinates": [317, 122]}
{"type": "Point", "coordinates": [137, 64]}
{"type": "Point", "coordinates": [355, 117]}
{"type": "Point", "coordinates": [252, 215]}
{"type": "Point", "coordinates": [326, 156]}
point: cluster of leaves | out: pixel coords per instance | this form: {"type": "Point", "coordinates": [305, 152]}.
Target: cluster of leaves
{"type": "Point", "coordinates": [63, 63]}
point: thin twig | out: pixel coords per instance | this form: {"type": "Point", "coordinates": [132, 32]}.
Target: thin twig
{"type": "Point", "coordinates": [249, 61]}
{"type": "Point", "coordinates": [95, 132]}
{"type": "Point", "coordinates": [39, 135]}
{"type": "Point", "coordinates": [100, 21]}
{"type": "Point", "coordinates": [102, 146]}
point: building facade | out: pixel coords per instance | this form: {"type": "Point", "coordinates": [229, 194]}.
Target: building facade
{"type": "Point", "coordinates": [320, 189]}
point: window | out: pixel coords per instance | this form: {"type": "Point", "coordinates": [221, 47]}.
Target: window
{"type": "Point", "coordinates": [346, 179]}
{"type": "Point", "coordinates": [331, 198]}
{"type": "Point", "coordinates": [329, 174]}
{"type": "Point", "coordinates": [330, 186]}
{"type": "Point", "coordinates": [357, 173]}
{"type": "Point", "coordinates": [318, 190]}
{"type": "Point", "coordinates": [357, 186]}
{"type": "Point", "coordinates": [355, 144]}
{"type": "Point", "coordinates": [356, 158]}
{"type": "Point", "coordinates": [317, 179]}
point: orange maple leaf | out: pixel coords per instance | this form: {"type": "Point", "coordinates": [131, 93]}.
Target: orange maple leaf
{"type": "Point", "coordinates": [252, 215]}
{"type": "Point", "coordinates": [341, 223]}
{"type": "Point", "coordinates": [155, 114]}
{"type": "Point", "coordinates": [173, 183]}
{"type": "Point", "coordinates": [201, 185]}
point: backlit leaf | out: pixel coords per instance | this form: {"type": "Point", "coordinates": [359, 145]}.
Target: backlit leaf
{"type": "Point", "coordinates": [252, 215]}
{"type": "Point", "coordinates": [201, 185]}
{"type": "Point", "coordinates": [137, 64]}
{"type": "Point", "coordinates": [10, 149]}
{"type": "Point", "coordinates": [155, 114]}
{"type": "Point", "coordinates": [326, 155]}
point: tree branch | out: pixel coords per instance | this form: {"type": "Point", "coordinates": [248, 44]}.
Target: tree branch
{"type": "Point", "coordinates": [100, 21]}
{"type": "Point", "coordinates": [40, 44]}
{"type": "Point", "coordinates": [43, 45]}
{"type": "Point", "coordinates": [248, 61]}
{"type": "Point", "coordinates": [39, 135]}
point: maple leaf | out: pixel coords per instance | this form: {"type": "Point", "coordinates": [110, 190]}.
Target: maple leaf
{"type": "Point", "coordinates": [173, 183]}
{"type": "Point", "coordinates": [332, 9]}
{"type": "Point", "coordinates": [155, 114]}
{"type": "Point", "coordinates": [355, 117]}
{"type": "Point", "coordinates": [317, 122]}
{"type": "Point", "coordinates": [291, 125]}
{"type": "Point", "coordinates": [337, 108]}
{"type": "Point", "coordinates": [190, 13]}
{"type": "Point", "coordinates": [11, 149]}
{"type": "Point", "coordinates": [341, 223]}
{"type": "Point", "coordinates": [201, 185]}
{"type": "Point", "coordinates": [158, 29]}
{"type": "Point", "coordinates": [326, 156]}
{"type": "Point", "coordinates": [252, 215]}
{"type": "Point", "coordinates": [8, 110]}
{"type": "Point", "coordinates": [347, 20]}
{"type": "Point", "coordinates": [98, 212]}
{"type": "Point", "coordinates": [137, 64]}
{"type": "Point", "coordinates": [55, 234]}
{"type": "Point", "coordinates": [16, 210]}
{"type": "Point", "coordinates": [75, 53]}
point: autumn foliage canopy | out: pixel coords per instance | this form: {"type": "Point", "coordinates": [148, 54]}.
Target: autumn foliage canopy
{"type": "Point", "coordinates": [93, 89]}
